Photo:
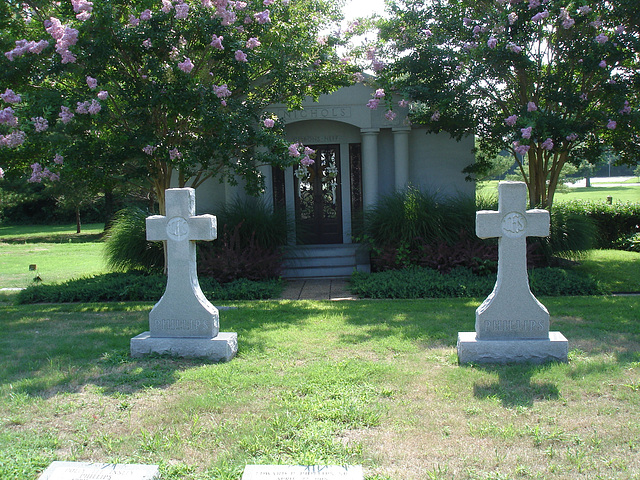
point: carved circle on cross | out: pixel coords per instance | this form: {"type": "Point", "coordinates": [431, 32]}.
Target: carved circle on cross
{"type": "Point", "coordinates": [514, 224]}
{"type": "Point", "coordinates": [177, 229]}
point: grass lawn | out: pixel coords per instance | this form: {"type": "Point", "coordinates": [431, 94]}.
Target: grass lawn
{"type": "Point", "coordinates": [367, 382]}
{"type": "Point", "coordinates": [600, 193]}
{"type": "Point", "coordinates": [617, 270]}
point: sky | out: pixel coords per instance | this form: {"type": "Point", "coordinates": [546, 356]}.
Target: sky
{"type": "Point", "coordinates": [362, 8]}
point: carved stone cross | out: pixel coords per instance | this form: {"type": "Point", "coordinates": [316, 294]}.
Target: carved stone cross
{"type": "Point", "coordinates": [183, 310]}
{"type": "Point", "coordinates": [511, 310]}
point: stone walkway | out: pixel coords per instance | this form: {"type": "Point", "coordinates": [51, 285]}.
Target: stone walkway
{"type": "Point", "coordinates": [317, 289]}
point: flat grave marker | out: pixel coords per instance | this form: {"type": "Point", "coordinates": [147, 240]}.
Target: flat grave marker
{"type": "Point", "coordinates": [302, 472]}
{"type": "Point", "coordinates": [99, 471]}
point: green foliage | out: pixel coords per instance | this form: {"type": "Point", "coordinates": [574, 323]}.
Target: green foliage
{"type": "Point", "coordinates": [562, 73]}
{"type": "Point", "coordinates": [195, 119]}
{"type": "Point", "coordinates": [614, 222]}
{"type": "Point", "coordinates": [136, 286]}
{"type": "Point", "coordinates": [417, 282]}
{"type": "Point", "coordinates": [126, 245]}
{"type": "Point", "coordinates": [630, 243]}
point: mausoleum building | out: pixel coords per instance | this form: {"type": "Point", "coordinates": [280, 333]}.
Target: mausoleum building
{"type": "Point", "coordinates": [360, 156]}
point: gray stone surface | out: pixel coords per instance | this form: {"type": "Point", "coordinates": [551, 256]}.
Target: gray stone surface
{"type": "Point", "coordinates": [99, 471]}
{"type": "Point", "coordinates": [472, 350]}
{"type": "Point", "coordinates": [183, 323]}
{"type": "Point", "coordinates": [220, 348]}
{"type": "Point", "coordinates": [302, 472]}
{"type": "Point", "coordinates": [511, 321]}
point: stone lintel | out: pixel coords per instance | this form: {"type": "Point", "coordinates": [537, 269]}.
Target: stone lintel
{"type": "Point", "coordinates": [220, 348]}
{"type": "Point", "coordinates": [552, 349]}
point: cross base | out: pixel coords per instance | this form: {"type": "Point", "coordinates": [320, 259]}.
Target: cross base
{"type": "Point", "coordinates": [552, 349]}
{"type": "Point", "coordinates": [220, 348]}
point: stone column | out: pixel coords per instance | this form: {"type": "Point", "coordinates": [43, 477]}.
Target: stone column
{"type": "Point", "coordinates": [369, 165]}
{"type": "Point", "coordinates": [401, 154]}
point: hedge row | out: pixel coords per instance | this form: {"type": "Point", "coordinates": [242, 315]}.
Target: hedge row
{"type": "Point", "coordinates": [140, 287]}
{"type": "Point", "coordinates": [418, 282]}
{"type": "Point", "coordinates": [614, 222]}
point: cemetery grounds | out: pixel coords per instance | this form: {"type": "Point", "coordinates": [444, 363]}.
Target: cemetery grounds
{"type": "Point", "coordinates": [370, 382]}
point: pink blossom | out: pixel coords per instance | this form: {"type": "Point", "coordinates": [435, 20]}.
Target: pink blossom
{"type": "Point", "coordinates": [266, 3]}
{"type": "Point", "coordinates": [174, 153]}
{"type": "Point", "coordinates": [10, 96]}
{"type": "Point", "coordinates": [377, 65]}
{"type": "Point", "coordinates": [436, 116]}
{"type": "Point", "coordinates": [538, 17]}
{"type": "Point", "coordinates": [511, 120]}
{"type": "Point", "coordinates": [390, 115]}
{"type": "Point", "coordinates": [492, 42]}
{"type": "Point", "coordinates": [526, 132]}
{"type": "Point", "coordinates": [572, 137]}
{"type": "Point", "coordinates": [228, 17]}
{"type": "Point", "coordinates": [620, 29]}
{"type": "Point", "coordinates": [293, 150]}
{"type": "Point", "coordinates": [84, 16]}
{"type": "Point", "coordinates": [241, 5]}
{"type": "Point", "coordinates": [147, 43]}
{"type": "Point", "coordinates": [584, 10]}
{"type": "Point", "coordinates": [568, 23]}
{"type": "Point", "coordinates": [15, 139]}
{"type": "Point", "coordinates": [1, 170]}
{"type": "Point", "coordinates": [602, 64]}
{"type": "Point", "coordinates": [145, 15]}
{"type": "Point", "coordinates": [514, 48]}
{"type": "Point", "coordinates": [58, 159]}
{"type": "Point", "coordinates": [241, 56]}
{"type": "Point", "coordinates": [373, 103]}
{"type": "Point", "coordinates": [81, 6]}
{"type": "Point", "coordinates": [66, 115]}
{"type": "Point", "coordinates": [269, 122]}
{"type": "Point", "coordinates": [182, 11]}
{"type": "Point", "coordinates": [253, 42]}
{"type": "Point", "coordinates": [547, 144]}
{"type": "Point", "coordinates": [534, 4]}
{"type": "Point", "coordinates": [187, 65]}
{"type": "Point", "coordinates": [602, 38]}
{"type": "Point", "coordinates": [309, 151]}
{"type": "Point", "coordinates": [207, 4]}
{"type": "Point", "coordinates": [149, 149]}
{"type": "Point", "coordinates": [221, 91]}
{"type": "Point", "coordinates": [167, 5]}
{"type": "Point", "coordinates": [379, 93]}
{"type": "Point", "coordinates": [512, 17]}
{"type": "Point", "coordinates": [82, 107]}
{"type": "Point", "coordinates": [531, 107]}
{"type": "Point", "coordinates": [92, 83]}
{"type": "Point", "coordinates": [40, 124]}
{"type": "Point", "coordinates": [103, 94]}
{"type": "Point", "coordinates": [306, 161]}
{"type": "Point", "coordinates": [7, 117]}
{"type": "Point", "coordinates": [262, 17]}
{"type": "Point", "coordinates": [216, 42]}
{"type": "Point", "coordinates": [612, 124]}
{"type": "Point", "coordinates": [38, 47]}
{"type": "Point", "coordinates": [520, 149]}
{"type": "Point", "coordinates": [403, 103]}
{"type": "Point", "coordinates": [427, 33]}
{"type": "Point", "coordinates": [626, 108]}
{"type": "Point", "coordinates": [134, 21]}
{"type": "Point", "coordinates": [95, 107]}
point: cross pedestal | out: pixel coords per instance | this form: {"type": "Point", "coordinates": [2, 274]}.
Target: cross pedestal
{"type": "Point", "coordinates": [183, 322]}
{"type": "Point", "coordinates": [511, 324]}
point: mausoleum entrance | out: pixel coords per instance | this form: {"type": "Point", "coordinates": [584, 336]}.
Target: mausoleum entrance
{"type": "Point", "coordinates": [318, 197]}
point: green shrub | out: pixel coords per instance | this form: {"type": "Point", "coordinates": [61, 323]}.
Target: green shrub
{"type": "Point", "coordinates": [630, 243]}
{"type": "Point", "coordinates": [418, 282]}
{"type": "Point", "coordinates": [126, 245]}
{"type": "Point", "coordinates": [613, 222]}
{"type": "Point", "coordinates": [139, 286]}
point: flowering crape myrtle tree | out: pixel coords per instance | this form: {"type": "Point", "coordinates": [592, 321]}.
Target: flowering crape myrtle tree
{"type": "Point", "coordinates": [551, 82]}
{"type": "Point", "coordinates": [159, 89]}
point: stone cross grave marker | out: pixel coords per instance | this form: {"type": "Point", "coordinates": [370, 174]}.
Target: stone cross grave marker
{"type": "Point", "coordinates": [302, 472]}
{"type": "Point", "coordinates": [183, 322]}
{"type": "Point", "coordinates": [511, 324]}
{"type": "Point", "coordinates": [99, 471]}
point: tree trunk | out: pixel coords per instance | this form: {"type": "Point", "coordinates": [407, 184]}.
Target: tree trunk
{"type": "Point", "coordinates": [78, 226]}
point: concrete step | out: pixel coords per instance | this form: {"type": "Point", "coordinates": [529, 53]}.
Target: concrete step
{"type": "Point", "coordinates": [324, 261]}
